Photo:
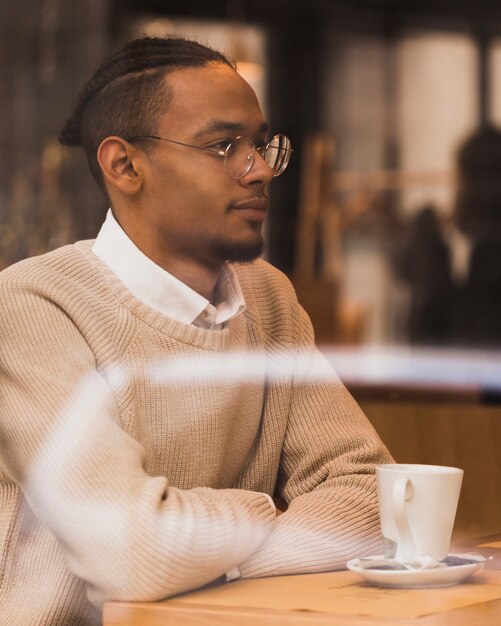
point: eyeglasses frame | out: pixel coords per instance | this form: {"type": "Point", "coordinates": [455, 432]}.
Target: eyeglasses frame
{"type": "Point", "coordinates": [259, 148]}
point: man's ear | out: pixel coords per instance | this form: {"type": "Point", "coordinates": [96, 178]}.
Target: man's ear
{"type": "Point", "coordinates": [120, 165]}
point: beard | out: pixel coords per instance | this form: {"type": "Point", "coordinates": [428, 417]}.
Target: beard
{"type": "Point", "coordinates": [238, 252]}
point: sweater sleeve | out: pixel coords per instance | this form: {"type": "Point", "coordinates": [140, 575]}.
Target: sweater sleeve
{"type": "Point", "coordinates": [128, 535]}
{"type": "Point", "coordinates": [326, 476]}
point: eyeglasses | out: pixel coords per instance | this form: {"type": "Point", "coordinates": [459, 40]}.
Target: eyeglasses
{"type": "Point", "coordinates": [240, 153]}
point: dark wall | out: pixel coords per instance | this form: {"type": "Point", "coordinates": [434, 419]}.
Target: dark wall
{"type": "Point", "coordinates": [48, 49]}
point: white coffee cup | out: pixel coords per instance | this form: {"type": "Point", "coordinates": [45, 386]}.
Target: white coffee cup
{"type": "Point", "coordinates": [417, 505]}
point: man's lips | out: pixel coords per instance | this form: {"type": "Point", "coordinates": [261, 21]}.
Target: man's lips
{"type": "Point", "coordinates": [252, 208]}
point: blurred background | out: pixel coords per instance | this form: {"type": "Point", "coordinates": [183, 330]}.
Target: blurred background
{"type": "Point", "coordinates": [388, 219]}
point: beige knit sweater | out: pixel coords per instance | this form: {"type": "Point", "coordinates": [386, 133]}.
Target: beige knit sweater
{"type": "Point", "coordinates": [133, 447]}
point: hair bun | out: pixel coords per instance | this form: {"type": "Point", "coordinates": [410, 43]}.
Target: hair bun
{"type": "Point", "coordinates": [70, 134]}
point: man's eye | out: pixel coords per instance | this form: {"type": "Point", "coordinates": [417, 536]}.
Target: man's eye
{"type": "Point", "coordinates": [221, 144]}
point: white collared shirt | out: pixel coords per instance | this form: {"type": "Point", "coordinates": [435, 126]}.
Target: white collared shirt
{"type": "Point", "coordinates": [159, 289]}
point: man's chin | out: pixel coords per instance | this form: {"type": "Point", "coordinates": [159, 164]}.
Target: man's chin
{"type": "Point", "coordinates": [240, 252]}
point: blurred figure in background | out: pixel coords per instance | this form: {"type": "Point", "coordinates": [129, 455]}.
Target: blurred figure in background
{"type": "Point", "coordinates": [424, 264]}
{"type": "Point", "coordinates": [478, 215]}
{"type": "Point", "coordinates": [443, 308]}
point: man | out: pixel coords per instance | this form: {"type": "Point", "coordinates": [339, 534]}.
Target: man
{"type": "Point", "coordinates": [158, 386]}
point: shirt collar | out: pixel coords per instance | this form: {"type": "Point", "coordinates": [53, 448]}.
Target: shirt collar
{"type": "Point", "coordinates": [159, 289]}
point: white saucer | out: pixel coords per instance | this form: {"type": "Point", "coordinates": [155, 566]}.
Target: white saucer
{"type": "Point", "coordinates": [417, 578]}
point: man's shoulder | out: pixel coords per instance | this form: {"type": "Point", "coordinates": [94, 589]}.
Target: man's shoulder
{"type": "Point", "coordinates": [261, 276]}
{"type": "Point", "coordinates": [68, 280]}
{"type": "Point", "coordinates": [271, 299]}
{"type": "Point", "coordinates": [61, 270]}
{"type": "Point", "coordinates": [56, 262]}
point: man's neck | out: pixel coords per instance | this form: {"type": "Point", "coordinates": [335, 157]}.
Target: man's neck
{"type": "Point", "coordinates": [198, 277]}
{"type": "Point", "coordinates": [197, 274]}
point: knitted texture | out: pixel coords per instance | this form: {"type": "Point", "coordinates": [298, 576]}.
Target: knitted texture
{"type": "Point", "coordinates": [135, 449]}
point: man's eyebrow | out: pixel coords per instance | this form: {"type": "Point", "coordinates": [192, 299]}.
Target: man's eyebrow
{"type": "Point", "coordinates": [224, 125]}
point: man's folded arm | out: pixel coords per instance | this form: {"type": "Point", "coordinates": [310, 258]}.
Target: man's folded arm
{"type": "Point", "coordinates": [326, 476]}
{"type": "Point", "coordinates": [129, 535]}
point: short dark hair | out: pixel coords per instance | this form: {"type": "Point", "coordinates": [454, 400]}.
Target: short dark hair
{"type": "Point", "coordinates": [127, 93]}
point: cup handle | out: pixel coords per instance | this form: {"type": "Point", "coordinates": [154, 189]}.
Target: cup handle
{"type": "Point", "coordinates": [402, 493]}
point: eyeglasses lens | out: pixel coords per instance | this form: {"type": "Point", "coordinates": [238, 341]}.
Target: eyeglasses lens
{"type": "Point", "coordinates": [240, 155]}
{"type": "Point", "coordinates": [277, 153]}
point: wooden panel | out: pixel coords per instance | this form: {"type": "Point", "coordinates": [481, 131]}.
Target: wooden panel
{"type": "Point", "coordinates": [466, 436]}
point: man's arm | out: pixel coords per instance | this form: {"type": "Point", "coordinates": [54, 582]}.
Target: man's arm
{"type": "Point", "coordinates": [326, 476]}
{"type": "Point", "coordinates": [128, 535]}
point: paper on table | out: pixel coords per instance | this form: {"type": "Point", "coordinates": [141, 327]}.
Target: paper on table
{"type": "Point", "coordinates": [491, 544]}
{"type": "Point", "coordinates": [342, 593]}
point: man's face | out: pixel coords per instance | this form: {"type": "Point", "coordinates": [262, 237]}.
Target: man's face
{"type": "Point", "coordinates": [193, 209]}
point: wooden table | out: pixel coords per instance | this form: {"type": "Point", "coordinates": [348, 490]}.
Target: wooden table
{"type": "Point", "coordinates": [329, 599]}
